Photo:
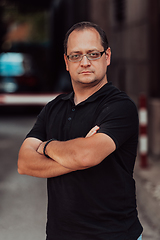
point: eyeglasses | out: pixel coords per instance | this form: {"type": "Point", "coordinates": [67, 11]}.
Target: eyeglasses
{"type": "Point", "coordinates": [90, 56]}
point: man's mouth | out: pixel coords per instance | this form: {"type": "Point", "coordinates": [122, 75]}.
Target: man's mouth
{"type": "Point", "coordinates": [86, 72]}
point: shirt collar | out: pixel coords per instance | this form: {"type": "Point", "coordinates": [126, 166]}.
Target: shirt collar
{"type": "Point", "coordinates": [68, 96]}
{"type": "Point", "coordinates": [92, 98]}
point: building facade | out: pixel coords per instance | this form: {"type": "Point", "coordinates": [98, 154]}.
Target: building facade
{"type": "Point", "coordinates": [133, 32]}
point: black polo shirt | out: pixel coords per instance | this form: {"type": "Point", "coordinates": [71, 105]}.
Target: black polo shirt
{"type": "Point", "coordinates": [98, 203]}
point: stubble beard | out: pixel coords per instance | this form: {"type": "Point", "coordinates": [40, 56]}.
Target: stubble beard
{"type": "Point", "coordinates": [91, 82]}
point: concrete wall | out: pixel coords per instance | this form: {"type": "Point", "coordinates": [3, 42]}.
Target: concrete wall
{"type": "Point", "coordinates": [130, 40]}
{"type": "Point", "coordinates": [154, 127]}
{"type": "Point", "coordinates": [99, 14]}
{"type": "Point", "coordinates": [130, 47]}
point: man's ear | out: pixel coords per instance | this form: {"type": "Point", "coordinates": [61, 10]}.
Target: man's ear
{"type": "Point", "coordinates": [66, 62]}
{"type": "Point", "coordinates": [108, 56]}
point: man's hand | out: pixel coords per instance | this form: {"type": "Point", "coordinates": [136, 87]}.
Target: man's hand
{"type": "Point", "coordinates": [92, 131]}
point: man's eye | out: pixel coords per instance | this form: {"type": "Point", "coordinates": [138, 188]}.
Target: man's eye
{"type": "Point", "coordinates": [75, 56]}
{"type": "Point", "coordinates": [94, 54]}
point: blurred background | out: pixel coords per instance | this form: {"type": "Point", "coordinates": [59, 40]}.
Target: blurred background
{"type": "Point", "coordinates": [32, 72]}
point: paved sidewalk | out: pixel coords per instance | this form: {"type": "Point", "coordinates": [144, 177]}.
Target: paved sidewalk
{"type": "Point", "coordinates": [148, 196]}
{"type": "Point", "coordinates": [23, 199]}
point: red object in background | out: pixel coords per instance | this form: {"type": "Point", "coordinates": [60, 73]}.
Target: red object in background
{"type": "Point", "coordinates": [143, 138]}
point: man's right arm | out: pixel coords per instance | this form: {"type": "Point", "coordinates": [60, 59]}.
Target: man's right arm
{"type": "Point", "coordinates": [31, 163]}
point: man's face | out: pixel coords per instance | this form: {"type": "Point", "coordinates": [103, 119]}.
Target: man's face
{"type": "Point", "coordinates": [87, 71]}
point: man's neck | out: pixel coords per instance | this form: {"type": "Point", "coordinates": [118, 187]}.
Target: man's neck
{"type": "Point", "coordinates": [82, 92]}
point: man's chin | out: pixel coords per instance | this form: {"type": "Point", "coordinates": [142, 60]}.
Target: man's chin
{"type": "Point", "coordinates": [88, 82]}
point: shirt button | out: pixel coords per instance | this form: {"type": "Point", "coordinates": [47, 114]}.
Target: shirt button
{"type": "Point", "coordinates": [73, 109]}
{"type": "Point", "coordinates": [69, 119]}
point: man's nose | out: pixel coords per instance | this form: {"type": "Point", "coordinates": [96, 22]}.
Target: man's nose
{"type": "Point", "coordinates": [85, 61]}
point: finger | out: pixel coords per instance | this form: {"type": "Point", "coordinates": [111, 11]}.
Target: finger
{"type": "Point", "coordinates": [96, 128]}
{"type": "Point", "coordinates": [92, 131]}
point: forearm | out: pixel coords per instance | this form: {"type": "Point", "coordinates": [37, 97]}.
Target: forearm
{"type": "Point", "coordinates": [34, 164]}
{"type": "Point", "coordinates": [70, 154]}
{"type": "Point", "coordinates": [80, 153]}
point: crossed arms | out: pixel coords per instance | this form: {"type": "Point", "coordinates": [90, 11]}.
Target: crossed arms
{"type": "Point", "coordinates": [65, 156]}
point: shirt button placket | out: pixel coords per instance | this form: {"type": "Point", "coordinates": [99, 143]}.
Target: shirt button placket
{"type": "Point", "coordinates": [72, 113]}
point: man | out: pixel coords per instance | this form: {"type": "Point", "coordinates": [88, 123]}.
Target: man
{"type": "Point", "coordinates": [85, 143]}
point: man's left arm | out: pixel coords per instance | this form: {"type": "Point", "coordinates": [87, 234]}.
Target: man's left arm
{"type": "Point", "coordinates": [80, 153]}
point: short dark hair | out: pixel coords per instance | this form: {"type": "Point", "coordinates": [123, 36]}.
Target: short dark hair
{"type": "Point", "coordinates": [86, 25]}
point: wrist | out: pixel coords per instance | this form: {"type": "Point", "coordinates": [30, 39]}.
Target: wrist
{"type": "Point", "coordinates": [44, 149]}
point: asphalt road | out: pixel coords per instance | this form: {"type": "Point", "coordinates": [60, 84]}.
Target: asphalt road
{"type": "Point", "coordinates": [23, 199]}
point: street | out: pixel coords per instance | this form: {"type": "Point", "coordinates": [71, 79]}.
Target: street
{"type": "Point", "coordinates": [23, 199]}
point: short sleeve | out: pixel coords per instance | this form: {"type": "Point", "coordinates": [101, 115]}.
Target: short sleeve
{"type": "Point", "coordinates": [119, 121]}
{"type": "Point", "coordinates": [39, 129]}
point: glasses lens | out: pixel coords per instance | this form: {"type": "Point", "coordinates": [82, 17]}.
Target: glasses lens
{"type": "Point", "coordinates": [75, 58]}
{"type": "Point", "coordinates": [94, 55]}
{"type": "Point", "coordinates": [90, 56]}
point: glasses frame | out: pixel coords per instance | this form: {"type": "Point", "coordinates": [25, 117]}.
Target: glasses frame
{"type": "Point", "coordinates": [82, 55]}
